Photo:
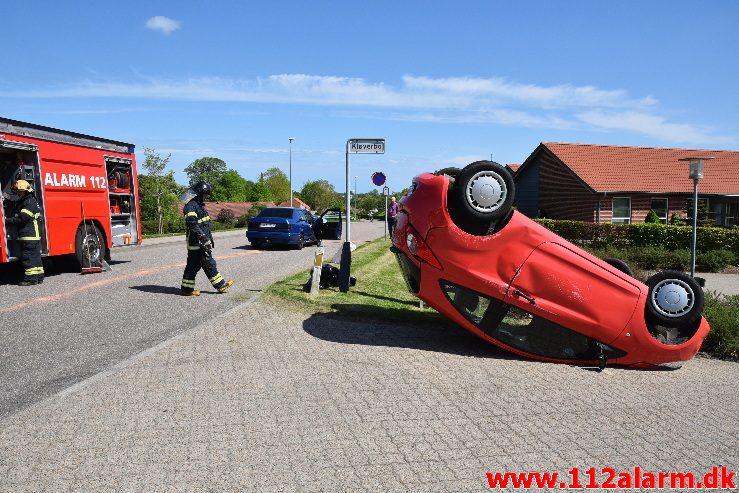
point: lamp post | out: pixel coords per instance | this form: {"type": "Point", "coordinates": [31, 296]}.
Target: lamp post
{"type": "Point", "coordinates": [695, 165]}
{"type": "Point", "coordinates": [291, 169]}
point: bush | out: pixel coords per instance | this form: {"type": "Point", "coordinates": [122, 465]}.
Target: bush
{"type": "Point", "coordinates": [656, 258]}
{"type": "Point", "coordinates": [226, 216]}
{"type": "Point", "coordinates": [715, 260]}
{"type": "Point", "coordinates": [242, 221]}
{"type": "Point", "coordinates": [652, 217]}
{"type": "Point", "coordinates": [169, 225]}
{"type": "Point", "coordinates": [722, 313]}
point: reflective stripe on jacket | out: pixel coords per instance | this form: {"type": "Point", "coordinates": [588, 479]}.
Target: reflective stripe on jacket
{"type": "Point", "coordinates": [26, 219]}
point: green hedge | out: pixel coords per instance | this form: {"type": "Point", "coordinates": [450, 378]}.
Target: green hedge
{"type": "Point", "coordinates": [644, 235]}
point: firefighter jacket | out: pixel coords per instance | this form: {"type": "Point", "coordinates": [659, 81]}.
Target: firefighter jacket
{"type": "Point", "coordinates": [198, 224]}
{"type": "Point", "coordinates": [27, 213]}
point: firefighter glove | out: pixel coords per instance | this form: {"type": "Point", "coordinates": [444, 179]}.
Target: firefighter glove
{"type": "Point", "coordinates": [207, 247]}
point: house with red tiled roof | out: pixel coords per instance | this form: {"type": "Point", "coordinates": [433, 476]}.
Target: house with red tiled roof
{"type": "Point", "coordinates": [621, 184]}
{"type": "Point", "coordinates": [296, 203]}
{"type": "Point", "coordinates": [512, 167]}
{"type": "Point", "coordinates": [238, 208]}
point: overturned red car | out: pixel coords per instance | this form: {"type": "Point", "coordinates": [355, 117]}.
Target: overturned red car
{"type": "Point", "coordinates": [465, 251]}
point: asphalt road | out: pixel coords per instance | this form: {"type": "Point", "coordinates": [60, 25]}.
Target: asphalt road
{"type": "Point", "coordinates": [74, 326]}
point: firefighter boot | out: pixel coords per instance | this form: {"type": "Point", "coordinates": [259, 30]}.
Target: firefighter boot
{"type": "Point", "coordinates": [194, 292]}
{"type": "Point", "coordinates": [225, 286]}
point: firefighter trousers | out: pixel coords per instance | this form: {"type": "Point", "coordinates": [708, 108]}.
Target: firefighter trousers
{"type": "Point", "coordinates": [196, 260]}
{"type": "Point", "coordinates": [33, 267]}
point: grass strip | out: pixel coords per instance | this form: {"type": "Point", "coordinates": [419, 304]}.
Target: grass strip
{"type": "Point", "coordinates": [380, 294]}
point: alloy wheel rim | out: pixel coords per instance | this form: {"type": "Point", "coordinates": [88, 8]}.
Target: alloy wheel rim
{"type": "Point", "coordinates": [91, 247]}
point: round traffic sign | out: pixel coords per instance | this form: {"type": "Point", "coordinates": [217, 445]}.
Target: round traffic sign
{"type": "Point", "coordinates": [378, 178]}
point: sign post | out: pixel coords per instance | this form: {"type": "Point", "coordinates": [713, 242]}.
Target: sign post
{"type": "Point", "coordinates": [386, 192]}
{"type": "Point", "coordinates": [354, 146]}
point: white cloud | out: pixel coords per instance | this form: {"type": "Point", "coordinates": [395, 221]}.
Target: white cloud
{"type": "Point", "coordinates": [456, 100]}
{"type": "Point", "coordinates": [163, 24]}
{"type": "Point", "coordinates": [651, 125]}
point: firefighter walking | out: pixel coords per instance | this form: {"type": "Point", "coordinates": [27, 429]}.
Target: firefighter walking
{"type": "Point", "coordinates": [200, 243]}
{"type": "Point", "coordinates": [27, 213]}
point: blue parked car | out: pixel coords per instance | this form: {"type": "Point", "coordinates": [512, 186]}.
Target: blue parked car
{"type": "Point", "coordinates": [289, 226]}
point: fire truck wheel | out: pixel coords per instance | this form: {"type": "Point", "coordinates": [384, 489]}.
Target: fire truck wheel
{"type": "Point", "coordinates": [89, 245]}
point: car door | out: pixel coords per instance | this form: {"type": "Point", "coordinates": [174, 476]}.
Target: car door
{"type": "Point", "coordinates": [564, 287]}
{"type": "Point", "coordinates": [329, 228]}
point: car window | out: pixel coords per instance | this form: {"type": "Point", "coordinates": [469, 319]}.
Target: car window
{"type": "Point", "coordinates": [280, 212]}
{"type": "Point", "coordinates": [523, 330]}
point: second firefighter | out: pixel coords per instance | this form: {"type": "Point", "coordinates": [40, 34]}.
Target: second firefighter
{"type": "Point", "coordinates": [200, 243]}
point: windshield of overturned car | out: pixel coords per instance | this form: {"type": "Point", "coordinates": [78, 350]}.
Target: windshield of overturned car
{"type": "Point", "coordinates": [522, 330]}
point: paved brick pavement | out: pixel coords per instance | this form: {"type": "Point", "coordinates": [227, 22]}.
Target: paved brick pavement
{"type": "Point", "coordinates": [260, 400]}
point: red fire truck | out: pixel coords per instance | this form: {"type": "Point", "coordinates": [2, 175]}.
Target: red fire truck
{"type": "Point", "coordinates": [86, 187]}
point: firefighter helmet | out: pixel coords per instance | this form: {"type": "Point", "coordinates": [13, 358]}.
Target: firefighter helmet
{"type": "Point", "coordinates": [202, 188]}
{"type": "Point", "coordinates": [22, 185]}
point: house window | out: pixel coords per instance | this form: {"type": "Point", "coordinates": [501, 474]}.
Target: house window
{"type": "Point", "coordinates": [731, 217]}
{"type": "Point", "coordinates": [660, 207]}
{"type": "Point", "coordinates": [621, 210]}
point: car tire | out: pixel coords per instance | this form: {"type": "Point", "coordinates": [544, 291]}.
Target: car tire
{"type": "Point", "coordinates": [89, 244]}
{"type": "Point", "coordinates": [453, 172]}
{"type": "Point", "coordinates": [301, 242]}
{"type": "Point", "coordinates": [674, 299]}
{"type": "Point", "coordinates": [620, 265]}
{"type": "Point", "coordinates": [257, 245]}
{"type": "Point", "coordinates": [482, 194]}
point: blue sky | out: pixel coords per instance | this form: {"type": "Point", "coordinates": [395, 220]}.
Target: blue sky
{"type": "Point", "coordinates": [445, 83]}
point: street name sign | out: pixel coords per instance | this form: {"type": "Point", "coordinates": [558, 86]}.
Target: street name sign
{"type": "Point", "coordinates": [367, 146]}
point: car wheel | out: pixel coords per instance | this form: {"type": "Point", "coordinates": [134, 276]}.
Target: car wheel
{"type": "Point", "coordinates": [301, 242]}
{"type": "Point", "coordinates": [257, 245]}
{"type": "Point", "coordinates": [620, 265]}
{"type": "Point", "coordinates": [482, 194]}
{"type": "Point", "coordinates": [675, 299]}
{"type": "Point", "coordinates": [453, 172]}
{"type": "Point", "coordinates": [89, 246]}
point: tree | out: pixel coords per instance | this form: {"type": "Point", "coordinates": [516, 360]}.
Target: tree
{"type": "Point", "coordinates": [167, 205]}
{"type": "Point", "coordinates": [319, 195]}
{"type": "Point", "coordinates": [209, 169]}
{"type": "Point", "coordinates": [277, 183]}
{"type": "Point", "coordinates": [154, 164]}
{"type": "Point", "coordinates": [705, 216]}
{"type": "Point", "coordinates": [371, 201]}
{"type": "Point", "coordinates": [259, 193]}
{"type": "Point", "coordinates": [230, 187]}
{"type": "Point", "coordinates": [652, 217]}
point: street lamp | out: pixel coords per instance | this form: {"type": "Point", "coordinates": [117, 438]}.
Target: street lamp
{"type": "Point", "coordinates": [695, 165]}
{"type": "Point", "coordinates": [291, 170]}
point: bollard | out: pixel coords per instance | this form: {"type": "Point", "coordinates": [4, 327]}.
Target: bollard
{"type": "Point", "coordinates": [317, 265]}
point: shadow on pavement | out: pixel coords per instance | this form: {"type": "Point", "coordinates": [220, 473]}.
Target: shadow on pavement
{"type": "Point", "coordinates": [344, 328]}
{"type": "Point", "coordinates": [151, 288]}
{"type": "Point", "coordinates": [116, 262]}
